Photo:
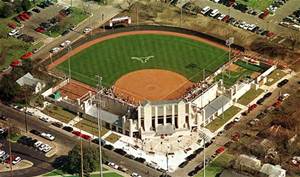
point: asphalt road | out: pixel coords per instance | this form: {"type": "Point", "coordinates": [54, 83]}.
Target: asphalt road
{"type": "Point", "coordinates": [67, 140]}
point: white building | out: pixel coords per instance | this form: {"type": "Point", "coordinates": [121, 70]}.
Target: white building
{"type": "Point", "coordinates": [30, 81]}
{"type": "Point", "coordinates": [272, 170]}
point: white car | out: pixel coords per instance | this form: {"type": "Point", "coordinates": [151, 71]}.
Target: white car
{"type": "Point", "coordinates": [47, 148]}
{"type": "Point", "coordinates": [135, 175]}
{"type": "Point", "coordinates": [284, 96]}
{"type": "Point", "coordinates": [47, 136]}
{"type": "Point", "coordinates": [16, 160]}
{"type": "Point", "coordinates": [13, 32]}
{"type": "Point", "coordinates": [38, 144]}
{"type": "Point", "coordinates": [45, 119]}
{"type": "Point", "coordinates": [221, 16]}
{"type": "Point", "coordinates": [251, 27]}
{"type": "Point", "coordinates": [55, 50]}
{"type": "Point", "coordinates": [214, 13]}
{"type": "Point", "coordinates": [205, 10]}
{"type": "Point", "coordinates": [87, 30]}
{"type": "Point", "coordinates": [64, 44]}
{"type": "Point", "coordinates": [2, 153]}
{"type": "Point", "coordinates": [237, 119]}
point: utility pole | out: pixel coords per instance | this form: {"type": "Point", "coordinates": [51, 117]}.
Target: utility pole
{"type": "Point", "coordinates": [229, 42]}
{"type": "Point", "coordinates": [9, 147]}
{"type": "Point", "coordinates": [98, 103]}
{"type": "Point", "coordinates": [180, 16]}
{"type": "Point", "coordinates": [69, 62]}
{"type": "Point", "coordinates": [81, 151]}
{"type": "Point", "coordinates": [25, 112]}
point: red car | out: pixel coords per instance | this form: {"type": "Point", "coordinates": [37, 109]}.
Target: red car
{"type": "Point", "coordinates": [226, 18]}
{"type": "Point", "coordinates": [264, 14]}
{"type": "Point", "coordinates": [270, 34]}
{"type": "Point", "coordinates": [12, 25]}
{"type": "Point", "coordinates": [26, 55]}
{"type": "Point", "coordinates": [87, 137]}
{"type": "Point", "coordinates": [21, 18]}
{"type": "Point", "coordinates": [40, 29]}
{"type": "Point", "coordinates": [25, 15]}
{"type": "Point", "coordinates": [77, 133]}
{"type": "Point", "coordinates": [252, 107]}
{"type": "Point", "coordinates": [16, 63]}
{"type": "Point", "coordinates": [220, 150]}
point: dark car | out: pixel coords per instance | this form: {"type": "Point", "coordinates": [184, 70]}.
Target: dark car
{"type": "Point", "coordinates": [282, 83]}
{"type": "Point", "coordinates": [36, 10]}
{"type": "Point", "coordinates": [267, 95]}
{"type": "Point", "coordinates": [65, 32]}
{"type": "Point", "coordinates": [192, 173]}
{"type": "Point", "coordinates": [57, 124]}
{"type": "Point", "coordinates": [120, 151]}
{"type": "Point", "coordinates": [108, 146]}
{"type": "Point", "coordinates": [96, 141]}
{"type": "Point", "coordinates": [190, 157]}
{"type": "Point", "coordinates": [198, 151]}
{"type": "Point", "coordinates": [35, 132]}
{"type": "Point", "coordinates": [140, 159]}
{"type": "Point", "coordinates": [129, 156]}
{"type": "Point", "coordinates": [260, 101]}
{"type": "Point", "coordinates": [67, 128]}
{"type": "Point", "coordinates": [183, 164]}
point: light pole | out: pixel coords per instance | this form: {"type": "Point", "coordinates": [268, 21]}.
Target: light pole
{"type": "Point", "coordinates": [98, 102]}
{"type": "Point", "coordinates": [69, 62]}
{"type": "Point", "coordinates": [205, 139]}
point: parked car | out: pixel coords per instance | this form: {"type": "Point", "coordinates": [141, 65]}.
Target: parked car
{"type": "Point", "coordinates": [65, 44]}
{"type": "Point", "coordinates": [87, 30]}
{"type": "Point", "coordinates": [183, 164]}
{"type": "Point", "coordinates": [55, 50]}
{"type": "Point", "coordinates": [35, 132]}
{"type": "Point", "coordinates": [77, 133]}
{"type": "Point", "coordinates": [57, 124]}
{"type": "Point", "coordinates": [16, 160]}
{"type": "Point", "coordinates": [48, 136]}
{"type": "Point", "coordinates": [283, 96]}
{"type": "Point", "coordinates": [36, 10]}
{"type": "Point", "coordinates": [220, 150]}
{"type": "Point", "coordinates": [67, 128]}
{"type": "Point", "coordinates": [45, 119]}
{"type": "Point", "coordinates": [282, 83]}
{"type": "Point", "coordinates": [86, 137]}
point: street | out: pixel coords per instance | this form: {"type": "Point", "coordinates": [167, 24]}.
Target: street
{"type": "Point", "coordinates": [66, 141]}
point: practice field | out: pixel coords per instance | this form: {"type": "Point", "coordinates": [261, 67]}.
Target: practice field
{"type": "Point", "coordinates": [257, 4]}
{"type": "Point", "coordinates": [118, 56]}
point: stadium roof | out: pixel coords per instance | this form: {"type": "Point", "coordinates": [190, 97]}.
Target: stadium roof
{"type": "Point", "coordinates": [215, 105]}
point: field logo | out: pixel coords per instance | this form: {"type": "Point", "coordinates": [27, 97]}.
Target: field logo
{"type": "Point", "coordinates": [142, 59]}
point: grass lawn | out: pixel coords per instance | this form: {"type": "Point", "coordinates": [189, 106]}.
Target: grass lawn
{"type": "Point", "coordinates": [256, 4]}
{"type": "Point", "coordinates": [216, 166]}
{"type": "Point", "coordinates": [112, 138]}
{"type": "Point", "coordinates": [220, 121]}
{"type": "Point", "coordinates": [249, 96]}
{"type": "Point", "coordinates": [275, 76]}
{"type": "Point", "coordinates": [90, 127]}
{"type": "Point", "coordinates": [58, 172]}
{"type": "Point", "coordinates": [59, 113]}
{"type": "Point", "coordinates": [112, 174]}
{"type": "Point", "coordinates": [113, 58]}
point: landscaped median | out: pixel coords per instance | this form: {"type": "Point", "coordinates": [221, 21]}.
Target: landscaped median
{"type": "Point", "coordinates": [249, 96]}
{"type": "Point", "coordinates": [90, 127]}
{"type": "Point", "coordinates": [223, 118]}
{"type": "Point", "coordinates": [59, 113]}
{"type": "Point", "coordinates": [216, 166]}
{"type": "Point", "coordinates": [275, 76]}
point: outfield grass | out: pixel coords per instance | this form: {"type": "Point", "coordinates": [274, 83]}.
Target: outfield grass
{"type": "Point", "coordinates": [250, 96]}
{"type": "Point", "coordinates": [256, 4]}
{"type": "Point", "coordinates": [220, 121]}
{"type": "Point", "coordinates": [111, 59]}
{"type": "Point", "coordinates": [275, 76]}
{"type": "Point", "coordinates": [217, 166]}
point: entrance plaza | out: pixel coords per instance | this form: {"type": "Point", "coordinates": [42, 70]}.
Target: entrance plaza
{"type": "Point", "coordinates": [178, 146]}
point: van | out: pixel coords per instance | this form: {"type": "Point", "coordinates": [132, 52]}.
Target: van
{"type": "Point", "coordinates": [205, 10]}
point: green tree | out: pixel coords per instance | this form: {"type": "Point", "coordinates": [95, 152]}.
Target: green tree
{"type": "Point", "coordinates": [8, 88]}
{"type": "Point", "coordinates": [6, 10]}
{"type": "Point", "coordinates": [26, 5]}
{"type": "Point", "coordinates": [90, 160]}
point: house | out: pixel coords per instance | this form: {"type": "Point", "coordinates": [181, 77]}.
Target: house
{"type": "Point", "coordinates": [30, 81]}
{"type": "Point", "coordinates": [269, 170]}
{"type": "Point", "coordinates": [248, 164]}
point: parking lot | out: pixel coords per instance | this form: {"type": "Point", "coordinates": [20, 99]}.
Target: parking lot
{"type": "Point", "coordinates": [38, 18]}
